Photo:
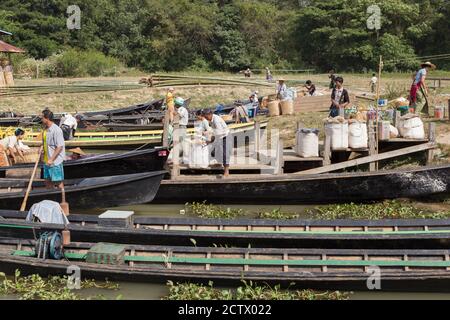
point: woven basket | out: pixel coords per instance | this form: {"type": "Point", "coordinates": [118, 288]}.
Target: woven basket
{"type": "Point", "coordinates": [30, 157]}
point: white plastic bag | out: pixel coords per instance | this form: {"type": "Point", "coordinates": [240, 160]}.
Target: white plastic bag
{"type": "Point", "coordinates": [199, 156]}
{"type": "Point", "coordinates": [339, 135]}
{"type": "Point", "coordinates": [358, 137]}
{"type": "Point", "coordinates": [412, 127]}
{"type": "Point", "coordinates": [308, 143]}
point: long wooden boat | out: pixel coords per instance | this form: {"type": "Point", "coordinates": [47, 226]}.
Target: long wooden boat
{"type": "Point", "coordinates": [124, 140]}
{"type": "Point", "coordinates": [134, 109]}
{"type": "Point", "coordinates": [313, 189]}
{"type": "Point", "coordinates": [336, 234]}
{"type": "Point", "coordinates": [145, 160]}
{"type": "Point", "coordinates": [102, 192]}
{"type": "Point", "coordinates": [405, 270]}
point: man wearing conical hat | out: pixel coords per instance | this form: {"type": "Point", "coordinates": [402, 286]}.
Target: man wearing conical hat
{"type": "Point", "coordinates": [418, 96]}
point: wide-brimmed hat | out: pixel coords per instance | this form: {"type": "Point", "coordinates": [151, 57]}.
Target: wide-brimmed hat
{"type": "Point", "coordinates": [428, 64]}
{"type": "Point", "coordinates": [78, 151]}
{"type": "Point", "coordinates": [281, 79]}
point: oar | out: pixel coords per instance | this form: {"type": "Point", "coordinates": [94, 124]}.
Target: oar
{"type": "Point", "coordinates": [30, 184]}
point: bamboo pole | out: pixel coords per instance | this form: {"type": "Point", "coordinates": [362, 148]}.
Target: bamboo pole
{"type": "Point", "coordinates": [380, 68]}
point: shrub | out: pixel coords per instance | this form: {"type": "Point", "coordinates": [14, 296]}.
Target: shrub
{"type": "Point", "coordinates": [71, 63]}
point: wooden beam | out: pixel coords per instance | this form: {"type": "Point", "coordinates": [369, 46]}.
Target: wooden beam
{"type": "Point", "coordinates": [327, 150]}
{"type": "Point", "coordinates": [370, 159]}
{"type": "Point", "coordinates": [166, 129]}
{"type": "Point", "coordinates": [432, 139]}
{"type": "Point", "coordinates": [373, 150]}
{"type": "Point", "coordinates": [175, 173]}
{"type": "Point", "coordinates": [279, 160]}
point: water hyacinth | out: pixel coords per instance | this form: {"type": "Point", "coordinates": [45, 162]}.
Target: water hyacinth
{"type": "Point", "coordinates": [247, 291]}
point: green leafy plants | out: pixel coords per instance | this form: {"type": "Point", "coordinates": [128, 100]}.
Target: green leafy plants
{"type": "Point", "coordinates": [247, 291]}
{"type": "Point", "coordinates": [34, 287]}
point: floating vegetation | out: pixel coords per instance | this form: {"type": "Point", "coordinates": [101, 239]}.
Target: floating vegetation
{"type": "Point", "coordinates": [277, 214]}
{"type": "Point", "coordinates": [391, 209]}
{"type": "Point", "coordinates": [247, 291]}
{"type": "Point", "coordinates": [209, 211]}
{"type": "Point", "coordinates": [35, 287]}
{"type": "Point", "coordinates": [377, 211]}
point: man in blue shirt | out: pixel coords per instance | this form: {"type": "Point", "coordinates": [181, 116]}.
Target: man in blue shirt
{"type": "Point", "coordinates": [419, 90]}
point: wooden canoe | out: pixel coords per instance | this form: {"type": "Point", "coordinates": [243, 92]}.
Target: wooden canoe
{"type": "Point", "coordinates": [102, 192]}
{"type": "Point", "coordinates": [104, 165]}
{"type": "Point", "coordinates": [124, 140]}
{"type": "Point", "coordinates": [258, 233]}
{"type": "Point", "coordinates": [403, 270]}
{"type": "Point", "coordinates": [312, 189]}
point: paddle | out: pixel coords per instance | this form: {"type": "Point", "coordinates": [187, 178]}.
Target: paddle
{"type": "Point", "coordinates": [30, 184]}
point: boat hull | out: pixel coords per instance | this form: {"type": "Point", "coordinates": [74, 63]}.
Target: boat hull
{"type": "Point", "coordinates": [103, 192]}
{"type": "Point", "coordinates": [318, 189]}
{"type": "Point", "coordinates": [146, 160]}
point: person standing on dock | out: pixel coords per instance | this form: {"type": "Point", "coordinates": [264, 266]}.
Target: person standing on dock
{"type": "Point", "coordinates": [170, 104]}
{"type": "Point", "coordinates": [183, 124]}
{"type": "Point", "coordinates": [269, 77]}
{"type": "Point", "coordinates": [418, 96]}
{"type": "Point", "coordinates": [281, 89]}
{"type": "Point", "coordinates": [221, 139]}
{"type": "Point", "coordinates": [311, 87]}
{"type": "Point", "coordinates": [373, 83]}
{"type": "Point", "coordinates": [54, 151]}
{"type": "Point", "coordinates": [332, 78]}
{"type": "Point", "coordinates": [339, 99]}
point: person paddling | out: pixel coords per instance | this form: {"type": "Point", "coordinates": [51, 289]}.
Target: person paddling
{"type": "Point", "coordinates": [54, 151]}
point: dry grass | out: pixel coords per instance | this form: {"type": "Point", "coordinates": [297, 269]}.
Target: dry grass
{"type": "Point", "coordinates": [209, 96]}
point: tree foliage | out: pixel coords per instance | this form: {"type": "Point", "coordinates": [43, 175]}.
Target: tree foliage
{"type": "Point", "coordinates": [230, 35]}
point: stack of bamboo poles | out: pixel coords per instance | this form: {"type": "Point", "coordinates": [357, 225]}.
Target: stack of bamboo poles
{"type": "Point", "coordinates": [166, 80]}
{"type": "Point", "coordinates": [76, 87]}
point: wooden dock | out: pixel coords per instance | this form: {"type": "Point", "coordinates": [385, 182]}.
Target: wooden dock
{"type": "Point", "coordinates": [253, 158]}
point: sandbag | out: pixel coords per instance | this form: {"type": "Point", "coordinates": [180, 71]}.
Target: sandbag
{"type": "Point", "coordinates": [412, 127]}
{"type": "Point", "coordinates": [287, 107]}
{"type": "Point", "coordinates": [384, 130]}
{"type": "Point", "coordinates": [199, 156]}
{"type": "Point", "coordinates": [9, 78]}
{"type": "Point", "coordinates": [339, 135]}
{"type": "Point", "coordinates": [2, 79]}
{"type": "Point", "coordinates": [358, 137]}
{"type": "Point", "coordinates": [393, 132]}
{"type": "Point", "coordinates": [307, 143]}
{"type": "Point", "coordinates": [274, 108]}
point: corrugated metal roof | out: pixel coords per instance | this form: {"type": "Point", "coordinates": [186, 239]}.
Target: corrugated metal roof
{"type": "Point", "coordinates": [5, 32]}
{"type": "Point", "coordinates": [5, 47]}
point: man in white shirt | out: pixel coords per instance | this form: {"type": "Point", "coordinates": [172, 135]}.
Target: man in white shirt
{"type": "Point", "coordinates": [373, 83]}
{"type": "Point", "coordinates": [281, 89]}
{"type": "Point", "coordinates": [182, 112]}
{"type": "Point", "coordinates": [68, 124]}
{"type": "Point", "coordinates": [222, 140]}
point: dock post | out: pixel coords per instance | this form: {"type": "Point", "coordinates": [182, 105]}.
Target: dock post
{"type": "Point", "coordinates": [432, 139]}
{"type": "Point", "coordinates": [327, 150]}
{"type": "Point", "coordinates": [372, 145]}
{"type": "Point", "coordinates": [165, 141]}
{"type": "Point", "coordinates": [398, 115]}
{"type": "Point", "coordinates": [257, 139]}
{"type": "Point", "coordinates": [448, 110]}
{"type": "Point", "coordinates": [175, 172]}
{"type": "Point", "coordinates": [279, 160]}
